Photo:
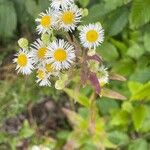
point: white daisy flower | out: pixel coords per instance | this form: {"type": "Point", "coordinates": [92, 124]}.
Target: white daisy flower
{"type": "Point", "coordinates": [24, 62]}
{"type": "Point", "coordinates": [92, 35]}
{"type": "Point", "coordinates": [69, 17]}
{"type": "Point", "coordinates": [61, 54]}
{"type": "Point", "coordinates": [103, 75]}
{"type": "Point", "coordinates": [46, 21]}
{"type": "Point", "coordinates": [38, 52]}
{"type": "Point", "coordinates": [43, 78]}
{"type": "Point", "coordinates": [61, 4]}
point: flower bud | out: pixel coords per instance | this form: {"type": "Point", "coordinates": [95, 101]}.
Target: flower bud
{"type": "Point", "coordinates": [85, 12]}
{"type": "Point", "coordinates": [23, 43]}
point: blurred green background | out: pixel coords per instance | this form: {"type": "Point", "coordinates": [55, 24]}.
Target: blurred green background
{"type": "Point", "coordinates": [126, 51]}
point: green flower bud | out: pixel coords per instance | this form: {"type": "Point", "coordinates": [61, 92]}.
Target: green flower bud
{"type": "Point", "coordinates": [23, 43]}
{"type": "Point", "coordinates": [80, 28]}
{"type": "Point", "coordinates": [59, 84]}
{"type": "Point", "coordinates": [45, 38]}
{"type": "Point", "coordinates": [85, 12]}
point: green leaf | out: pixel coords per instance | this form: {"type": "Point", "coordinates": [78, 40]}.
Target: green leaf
{"type": "Point", "coordinates": [134, 86]}
{"type": "Point", "coordinates": [84, 3]}
{"type": "Point", "coordinates": [142, 93]}
{"type": "Point", "coordinates": [124, 67]}
{"type": "Point", "coordinates": [147, 40]}
{"type": "Point", "coordinates": [105, 105]}
{"type": "Point", "coordinates": [111, 5]}
{"type": "Point", "coordinates": [8, 20]}
{"type": "Point", "coordinates": [120, 118]}
{"type": "Point", "coordinates": [141, 75]}
{"type": "Point", "coordinates": [118, 138]}
{"type": "Point", "coordinates": [75, 119]}
{"type": "Point", "coordinates": [138, 116]}
{"type": "Point", "coordinates": [26, 130]}
{"type": "Point", "coordinates": [32, 7]}
{"type": "Point", "coordinates": [108, 51]}
{"type": "Point", "coordinates": [117, 21]}
{"type": "Point", "coordinates": [80, 98]}
{"type": "Point", "coordinates": [43, 4]}
{"type": "Point", "coordinates": [139, 144]}
{"type": "Point", "coordinates": [139, 13]}
{"type": "Point", "coordinates": [136, 51]}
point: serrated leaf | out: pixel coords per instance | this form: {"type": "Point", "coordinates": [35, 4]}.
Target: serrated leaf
{"type": "Point", "coordinates": [117, 21]}
{"type": "Point", "coordinates": [142, 93]}
{"type": "Point", "coordinates": [134, 86]}
{"type": "Point", "coordinates": [138, 116]}
{"type": "Point", "coordinates": [139, 13]}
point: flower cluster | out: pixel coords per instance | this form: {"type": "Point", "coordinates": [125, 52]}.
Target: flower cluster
{"type": "Point", "coordinates": [52, 57]}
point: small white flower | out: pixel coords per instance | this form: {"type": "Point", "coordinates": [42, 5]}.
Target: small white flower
{"type": "Point", "coordinates": [61, 4]}
{"type": "Point", "coordinates": [92, 35]}
{"type": "Point", "coordinates": [61, 54]}
{"type": "Point", "coordinates": [46, 21]}
{"type": "Point", "coordinates": [69, 17]}
{"type": "Point", "coordinates": [38, 52]}
{"type": "Point", "coordinates": [24, 62]}
{"type": "Point", "coordinates": [43, 78]}
{"type": "Point", "coordinates": [103, 75]}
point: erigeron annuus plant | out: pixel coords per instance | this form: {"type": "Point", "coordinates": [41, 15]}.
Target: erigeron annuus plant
{"type": "Point", "coordinates": [53, 58]}
{"type": "Point", "coordinates": [65, 51]}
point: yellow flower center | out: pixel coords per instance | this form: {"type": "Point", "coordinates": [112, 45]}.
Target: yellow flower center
{"type": "Point", "coordinates": [49, 67]}
{"type": "Point", "coordinates": [40, 74]}
{"type": "Point", "coordinates": [68, 17]}
{"type": "Point", "coordinates": [92, 36]}
{"type": "Point", "coordinates": [60, 55]}
{"type": "Point", "coordinates": [22, 60]}
{"type": "Point", "coordinates": [41, 52]}
{"type": "Point", "coordinates": [46, 21]}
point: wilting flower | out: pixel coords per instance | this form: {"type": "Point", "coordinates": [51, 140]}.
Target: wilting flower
{"type": "Point", "coordinates": [46, 21]}
{"type": "Point", "coordinates": [69, 17]}
{"type": "Point", "coordinates": [61, 4]}
{"type": "Point", "coordinates": [103, 75]}
{"type": "Point", "coordinates": [61, 54]}
{"type": "Point", "coordinates": [24, 62]}
{"type": "Point", "coordinates": [92, 35]}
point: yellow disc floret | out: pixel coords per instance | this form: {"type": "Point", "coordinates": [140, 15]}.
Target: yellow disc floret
{"type": "Point", "coordinates": [22, 60]}
{"type": "Point", "coordinates": [68, 17]}
{"type": "Point", "coordinates": [40, 74]}
{"type": "Point", "coordinates": [49, 68]}
{"type": "Point", "coordinates": [92, 36]}
{"type": "Point", "coordinates": [60, 55]}
{"type": "Point", "coordinates": [46, 21]}
{"type": "Point", "coordinates": [41, 52]}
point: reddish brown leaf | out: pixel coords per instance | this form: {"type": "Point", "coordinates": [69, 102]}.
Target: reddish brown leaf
{"type": "Point", "coordinates": [95, 83]}
{"type": "Point", "coordinates": [117, 77]}
{"type": "Point", "coordinates": [112, 94]}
